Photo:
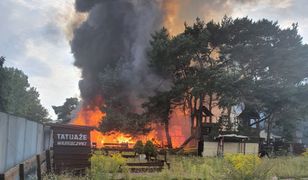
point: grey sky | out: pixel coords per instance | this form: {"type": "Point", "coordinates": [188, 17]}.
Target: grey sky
{"type": "Point", "coordinates": [32, 37]}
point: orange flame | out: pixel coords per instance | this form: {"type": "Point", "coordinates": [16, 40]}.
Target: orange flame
{"type": "Point", "coordinates": [173, 19]}
{"type": "Point", "coordinates": [92, 116]}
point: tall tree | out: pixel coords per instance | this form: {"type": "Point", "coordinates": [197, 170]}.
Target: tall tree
{"type": "Point", "coordinates": [2, 60]}
{"type": "Point", "coordinates": [18, 97]}
{"type": "Point", "coordinates": [234, 62]}
{"type": "Point", "coordinates": [64, 112]}
{"type": "Point", "coordinates": [271, 62]}
{"type": "Point", "coordinates": [159, 108]}
{"type": "Point", "coordinates": [190, 61]}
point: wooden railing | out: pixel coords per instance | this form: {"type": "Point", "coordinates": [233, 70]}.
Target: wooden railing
{"type": "Point", "coordinates": [141, 167]}
{"type": "Point", "coordinates": [41, 162]}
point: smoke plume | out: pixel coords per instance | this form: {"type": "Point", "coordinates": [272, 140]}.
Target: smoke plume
{"type": "Point", "coordinates": [110, 45]}
{"type": "Point", "coordinates": [110, 48]}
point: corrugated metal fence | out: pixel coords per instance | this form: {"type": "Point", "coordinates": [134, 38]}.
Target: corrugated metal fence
{"type": "Point", "coordinates": [20, 139]}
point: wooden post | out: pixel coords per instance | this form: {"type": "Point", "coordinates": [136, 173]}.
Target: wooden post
{"type": "Point", "coordinates": [223, 145]}
{"type": "Point", "coordinates": [2, 177]}
{"type": "Point", "coordinates": [48, 160]}
{"type": "Point", "coordinates": [21, 172]}
{"type": "Point", "coordinates": [38, 167]}
{"type": "Point", "coordinates": [244, 147]}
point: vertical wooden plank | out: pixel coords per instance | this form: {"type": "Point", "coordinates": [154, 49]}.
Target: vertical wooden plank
{"type": "Point", "coordinates": [21, 172]}
{"type": "Point", "coordinates": [38, 168]}
{"type": "Point", "coordinates": [48, 161]}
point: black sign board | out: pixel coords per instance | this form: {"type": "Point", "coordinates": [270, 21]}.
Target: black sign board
{"type": "Point", "coordinates": [71, 146]}
{"type": "Point", "coordinates": [71, 138]}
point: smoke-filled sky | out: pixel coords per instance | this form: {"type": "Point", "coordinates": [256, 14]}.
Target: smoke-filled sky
{"type": "Point", "coordinates": [35, 34]}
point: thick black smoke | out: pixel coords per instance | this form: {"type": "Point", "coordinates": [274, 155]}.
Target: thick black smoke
{"type": "Point", "coordinates": [110, 49]}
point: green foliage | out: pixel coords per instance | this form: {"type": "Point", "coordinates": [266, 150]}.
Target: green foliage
{"type": "Point", "coordinates": [210, 168]}
{"type": "Point", "coordinates": [286, 167]}
{"type": "Point", "coordinates": [138, 147]}
{"type": "Point", "coordinates": [193, 66]}
{"type": "Point", "coordinates": [243, 166]}
{"type": "Point", "coordinates": [194, 168]}
{"type": "Point", "coordinates": [271, 62]}
{"type": "Point", "coordinates": [18, 97]}
{"type": "Point", "coordinates": [64, 112]}
{"type": "Point", "coordinates": [120, 113]}
{"type": "Point", "coordinates": [159, 55]}
{"type": "Point", "coordinates": [2, 103]}
{"type": "Point", "coordinates": [106, 167]}
{"type": "Point", "coordinates": [150, 150]}
{"type": "Point", "coordinates": [158, 108]}
{"type": "Point", "coordinates": [305, 154]}
{"type": "Point", "coordinates": [237, 61]}
{"type": "Point", "coordinates": [2, 60]}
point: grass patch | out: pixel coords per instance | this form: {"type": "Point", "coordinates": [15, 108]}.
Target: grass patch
{"type": "Point", "coordinates": [238, 167]}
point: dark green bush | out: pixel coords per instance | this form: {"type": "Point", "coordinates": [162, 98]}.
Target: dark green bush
{"type": "Point", "coordinates": [150, 150]}
{"type": "Point", "coordinates": [138, 147]}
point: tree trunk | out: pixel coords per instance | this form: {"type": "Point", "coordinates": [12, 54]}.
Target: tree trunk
{"type": "Point", "coordinates": [168, 137]}
{"type": "Point", "coordinates": [199, 118]}
{"type": "Point", "coordinates": [229, 118]}
{"type": "Point", "coordinates": [210, 106]}
{"type": "Point", "coordinates": [268, 139]}
{"type": "Point", "coordinates": [193, 116]}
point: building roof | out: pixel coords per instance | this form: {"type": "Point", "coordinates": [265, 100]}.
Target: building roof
{"type": "Point", "coordinates": [232, 136]}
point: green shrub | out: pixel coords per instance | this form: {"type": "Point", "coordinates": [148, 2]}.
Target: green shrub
{"type": "Point", "coordinates": [138, 147]}
{"type": "Point", "coordinates": [305, 154]}
{"type": "Point", "coordinates": [238, 167]}
{"type": "Point", "coordinates": [106, 167]}
{"type": "Point", "coordinates": [246, 167]}
{"type": "Point", "coordinates": [150, 150]}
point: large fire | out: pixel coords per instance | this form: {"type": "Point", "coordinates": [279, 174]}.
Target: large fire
{"type": "Point", "coordinates": [92, 116]}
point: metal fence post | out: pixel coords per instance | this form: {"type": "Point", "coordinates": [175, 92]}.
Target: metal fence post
{"type": "Point", "coordinates": [48, 161]}
{"type": "Point", "coordinates": [38, 168]}
{"type": "Point", "coordinates": [21, 172]}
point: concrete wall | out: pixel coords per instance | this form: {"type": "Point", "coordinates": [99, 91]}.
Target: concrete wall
{"type": "Point", "coordinates": [20, 139]}
{"type": "Point", "coordinates": [210, 148]}
{"type": "Point", "coordinates": [252, 148]}
{"type": "Point", "coordinates": [230, 148]}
